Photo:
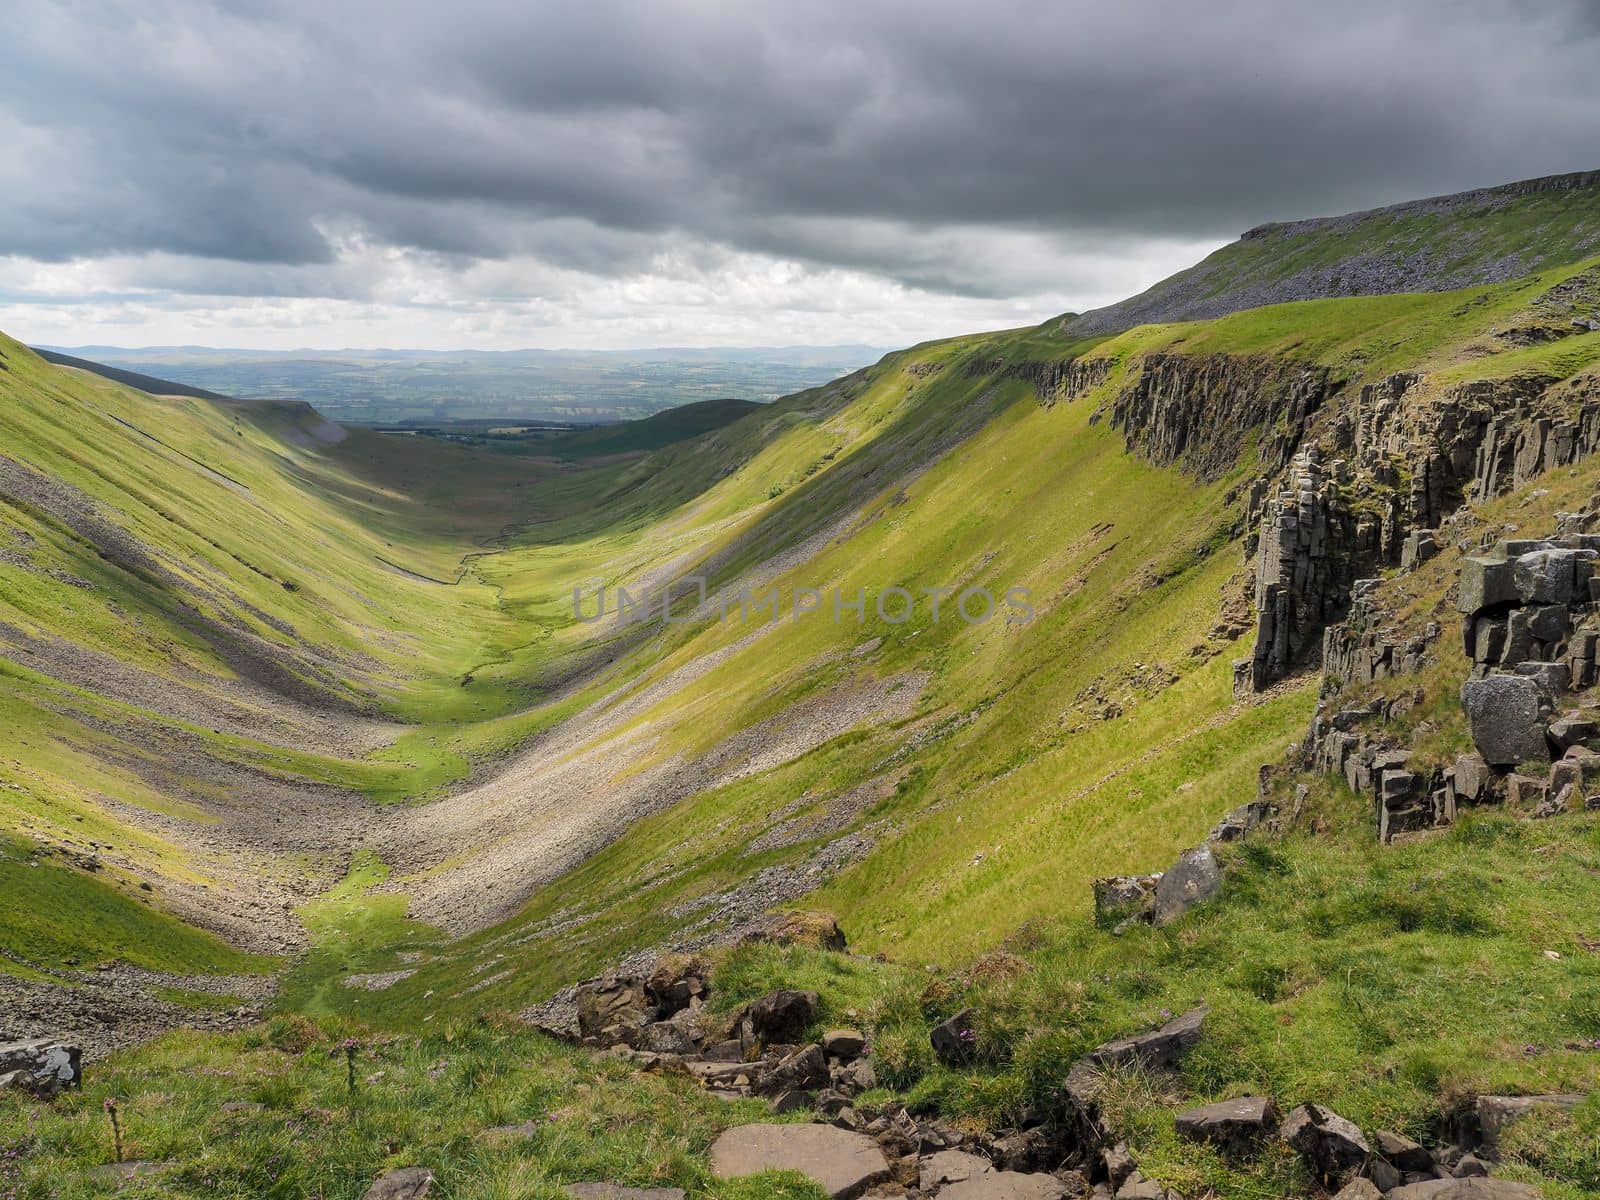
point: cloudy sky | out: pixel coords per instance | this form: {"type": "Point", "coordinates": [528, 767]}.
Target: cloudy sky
{"type": "Point", "coordinates": [600, 173]}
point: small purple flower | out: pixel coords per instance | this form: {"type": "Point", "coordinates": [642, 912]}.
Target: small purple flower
{"type": "Point", "coordinates": [1166, 1014]}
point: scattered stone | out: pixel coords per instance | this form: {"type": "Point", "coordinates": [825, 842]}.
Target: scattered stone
{"type": "Point", "coordinates": [1420, 546]}
{"type": "Point", "coordinates": [1470, 1167]}
{"type": "Point", "coordinates": [1573, 729]}
{"type": "Point", "coordinates": [805, 1070]}
{"type": "Point", "coordinates": [1235, 1123]}
{"type": "Point", "coordinates": [1195, 878]}
{"type": "Point", "coordinates": [1237, 824]}
{"type": "Point", "coordinates": [1120, 898]}
{"type": "Point", "coordinates": [955, 1040]}
{"type": "Point", "coordinates": [1404, 1153]}
{"type": "Point", "coordinates": [950, 1166]}
{"type": "Point", "coordinates": [781, 1017]}
{"type": "Point", "coordinates": [1137, 1187]}
{"type": "Point", "coordinates": [1503, 714]}
{"type": "Point", "coordinates": [1465, 1189]}
{"type": "Point", "coordinates": [1359, 1189]}
{"type": "Point", "coordinates": [843, 1043]}
{"type": "Point", "coordinates": [43, 1067]}
{"type": "Point", "coordinates": [1332, 1144]}
{"type": "Point", "coordinates": [1006, 1185]}
{"type": "Point", "coordinates": [845, 1164]}
{"type": "Point", "coordinates": [612, 1191]}
{"type": "Point", "coordinates": [408, 1183]}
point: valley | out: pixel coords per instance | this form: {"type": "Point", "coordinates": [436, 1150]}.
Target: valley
{"type": "Point", "coordinates": [311, 739]}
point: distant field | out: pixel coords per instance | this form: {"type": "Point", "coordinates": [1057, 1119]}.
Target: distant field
{"type": "Point", "coordinates": [381, 387]}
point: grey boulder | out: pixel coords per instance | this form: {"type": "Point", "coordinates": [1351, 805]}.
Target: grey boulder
{"type": "Point", "coordinates": [1503, 715]}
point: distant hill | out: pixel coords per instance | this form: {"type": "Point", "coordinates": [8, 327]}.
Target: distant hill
{"type": "Point", "coordinates": [652, 433]}
{"type": "Point", "coordinates": [378, 387]}
{"type": "Point", "coordinates": [145, 383]}
{"type": "Point", "coordinates": [1489, 235]}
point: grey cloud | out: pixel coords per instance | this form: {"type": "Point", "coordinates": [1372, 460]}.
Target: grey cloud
{"type": "Point", "coordinates": [590, 135]}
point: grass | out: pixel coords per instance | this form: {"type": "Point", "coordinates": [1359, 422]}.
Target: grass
{"type": "Point", "coordinates": [425, 1100]}
{"type": "Point", "coordinates": [44, 906]}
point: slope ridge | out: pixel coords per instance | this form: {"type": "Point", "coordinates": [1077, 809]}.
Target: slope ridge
{"type": "Point", "coordinates": [1487, 235]}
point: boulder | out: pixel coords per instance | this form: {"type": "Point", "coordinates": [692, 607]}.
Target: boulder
{"type": "Point", "coordinates": [1470, 1167]}
{"type": "Point", "coordinates": [1006, 1185]}
{"type": "Point", "coordinates": [1465, 1189]}
{"type": "Point", "coordinates": [42, 1067]}
{"type": "Point", "coordinates": [1420, 546]}
{"type": "Point", "coordinates": [1137, 1187]}
{"type": "Point", "coordinates": [1359, 1189]}
{"type": "Point", "coordinates": [950, 1166]}
{"type": "Point", "coordinates": [1237, 824]}
{"type": "Point", "coordinates": [1473, 779]}
{"type": "Point", "coordinates": [1486, 583]}
{"type": "Point", "coordinates": [408, 1183]}
{"type": "Point", "coordinates": [780, 1017]}
{"type": "Point", "coordinates": [1573, 729]}
{"type": "Point", "coordinates": [1119, 898]}
{"type": "Point", "coordinates": [843, 1163]}
{"type": "Point", "coordinates": [1157, 1048]}
{"type": "Point", "coordinates": [614, 1009]}
{"type": "Point", "coordinates": [612, 1191]}
{"type": "Point", "coordinates": [1497, 1113]}
{"type": "Point", "coordinates": [1235, 1123]}
{"type": "Point", "coordinates": [843, 1043]}
{"type": "Point", "coordinates": [1503, 715]}
{"type": "Point", "coordinates": [1332, 1144]}
{"type": "Point", "coordinates": [1404, 1153]}
{"type": "Point", "coordinates": [666, 1037]}
{"type": "Point", "coordinates": [1546, 577]}
{"type": "Point", "coordinates": [805, 1070]}
{"type": "Point", "coordinates": [679, 981]}
{"type": "Point", "coordinates": [801, 928]}
{"type": "Point", "coordinates": [956, 1040]}
{"type": "Point", "coordinates": [1195, 878]}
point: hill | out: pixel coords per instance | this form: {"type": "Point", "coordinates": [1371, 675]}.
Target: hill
{"type": "Point", "coordinates": [1487, 235]}
{"type": "Point", "coordinates": [981, 624]}
{"type": "Point", "coordinates": [145, 383]}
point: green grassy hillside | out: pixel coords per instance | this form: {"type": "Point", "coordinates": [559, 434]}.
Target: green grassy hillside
{"type": "Point", "coordinates": [1448, 242]}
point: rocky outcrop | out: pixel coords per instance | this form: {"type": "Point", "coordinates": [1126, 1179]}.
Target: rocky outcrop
{"type": "Point", "coordinates": [1311, 550]}
{"type": "Point", "coordinates": [1200, 412]}
{"type": "Point", "coordinates": [1400, 459]}
{"type": "Point", "coordinates": [1053, 381]}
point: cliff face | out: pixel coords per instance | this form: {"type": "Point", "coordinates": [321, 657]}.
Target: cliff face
{"type": "Point", "coordinates": [1200, 413]}
{"type": "Point", "coordinates": [1407, 460]}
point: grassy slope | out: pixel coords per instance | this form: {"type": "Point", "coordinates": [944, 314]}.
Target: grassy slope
{"type": "Point", "coordinates": [1456, 244]}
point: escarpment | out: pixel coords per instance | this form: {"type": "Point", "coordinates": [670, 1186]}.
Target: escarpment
{"type": "Point", "coordinates": [1202, 413]}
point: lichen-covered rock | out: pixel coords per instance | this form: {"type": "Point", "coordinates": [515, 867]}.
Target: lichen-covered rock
{"type": "Point", "coordinates": [1503, 715]}
{"type": "Point", "coordinates": [42, 1067]}
{"type": "Point", "coordinates": [1330, 1143]}
{"type": "Point", "coordinates": [1235, 1123]}
{"type": "Point", "coordinates": [1195, 878]}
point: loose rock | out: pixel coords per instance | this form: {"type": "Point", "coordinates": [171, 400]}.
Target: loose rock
{"type": "Point", "coordinates": [845, 1164]}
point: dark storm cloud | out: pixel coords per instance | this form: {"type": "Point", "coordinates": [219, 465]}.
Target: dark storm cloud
{"type": "Point", "coordinates": [582, 134]}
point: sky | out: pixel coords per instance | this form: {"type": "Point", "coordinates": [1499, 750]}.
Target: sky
{"type": "Point", "coordinates": [630, 173]}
